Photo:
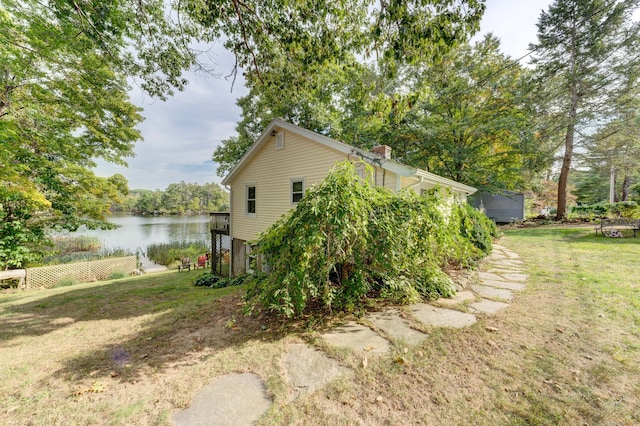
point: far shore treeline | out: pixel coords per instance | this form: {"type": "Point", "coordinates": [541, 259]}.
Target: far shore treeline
{"type": "Point", "coordinates": [176, 199]}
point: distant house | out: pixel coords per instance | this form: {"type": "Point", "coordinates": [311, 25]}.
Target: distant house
{"type": "Point", "coordinates": [285, 161]}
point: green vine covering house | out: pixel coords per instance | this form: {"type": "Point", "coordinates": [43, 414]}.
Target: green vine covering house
{"type": "Point", "coordinates": [286, 160]}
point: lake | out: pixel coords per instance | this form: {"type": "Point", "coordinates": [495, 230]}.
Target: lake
{"type": "Point", "coordinates": [137, 232]}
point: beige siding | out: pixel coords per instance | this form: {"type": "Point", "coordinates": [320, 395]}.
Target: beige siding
{"type": "Point", "coordinates": [271, 170]}
{"type": "Point", "coordinates": [385, 178]}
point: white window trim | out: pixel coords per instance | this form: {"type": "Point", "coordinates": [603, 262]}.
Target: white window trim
{"type": "Point", "coordinates": [246, 199]}
{"type": "Point", "coordinates": [291, 182]}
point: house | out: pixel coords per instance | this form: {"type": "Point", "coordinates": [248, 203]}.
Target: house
{"type": "Point", "coordinates": [285, 161]}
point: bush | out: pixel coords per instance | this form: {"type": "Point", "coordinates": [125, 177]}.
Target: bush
{"type": "Point", "coordinates": [116, 275]}
{"type": "Point", "coordinates": [66, 282]}
{"type": "Point", "coordinates": [588, 212]}
{"type": "Point", "coordinates": [603, 210]}
{"type": "Point", "coordinates": [348, 240]}
{"type": "Point", "coordinates": [70, 249]}
{"type": "Point", "coordinates": [170, 254]}
{"type": "Point", "coordinates": [625, 209]}
{"type": "Point", "coordinates": [476, 227]}
{"type": "Point", "coordinates": [213, 281]}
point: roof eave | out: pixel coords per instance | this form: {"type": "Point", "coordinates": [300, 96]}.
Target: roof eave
{"type": "Point", "coordinates": [444, 181]}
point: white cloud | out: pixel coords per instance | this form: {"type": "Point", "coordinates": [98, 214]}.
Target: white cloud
{"type": "Point", "coordinates": [181, 134]}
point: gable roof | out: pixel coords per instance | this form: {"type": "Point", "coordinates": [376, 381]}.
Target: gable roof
{"type": "Point", "coordinates": [370, 157]}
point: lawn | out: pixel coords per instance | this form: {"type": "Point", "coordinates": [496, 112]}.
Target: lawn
{"type": "Point", "coordinates": [132, 351]}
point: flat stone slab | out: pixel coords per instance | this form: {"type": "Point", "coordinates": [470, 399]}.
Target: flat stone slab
{"type": "Point", "coordinates": [307, 369]}
{"type": "Point", "coordinates": [515, 277]}
{"type": "Point", "coordinates": [488, 306]}
{"type": "Point", "coordinates": [511, 255]}
{"type": "Point", "coordinates": [439, 317]}
{"type": "Point", "coordinates": [504, 284]}
{"type": "Point", "coordinates": [497, 256]}
{"type": "Point", "coordinates": [490, 276]}
{"type": "Point", "coordinates": [459, 298]}
{"type": "Point", "coordinates": [509, 262]}
{"type": "Point", "coordinates": [396, 327]}
{"type": "Point", "coordinates": [501, 270]}
{"type": "Point", "coordinates": [357, 337]}
{"type": "Point", "coordinates": [492, 292]}
{"type": "Point", "coordinates": [234, 399]}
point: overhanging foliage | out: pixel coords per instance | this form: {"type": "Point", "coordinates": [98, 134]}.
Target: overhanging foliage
{"type": "Point", "coordinates": [348, 240]}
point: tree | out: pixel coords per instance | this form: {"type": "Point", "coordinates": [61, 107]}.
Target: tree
{"type": "Point", "coordinates": [579, 57]}
{"type": "Point", "coordinates": [336, 84]}
{"type": "Point", "coordinates": [65, 65]}
{"type": "Point", "coordinates": [468, 117]}
{"type": "Point", "coordinates": [613, 152]}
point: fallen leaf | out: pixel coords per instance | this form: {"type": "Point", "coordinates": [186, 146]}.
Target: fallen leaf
{"type": "Point", "coordinates": [491, 329]}
{"type": "Point", "coordinates": [400, 360]}
{"type": "Point", "coordinates": [559, 330]}
{"type": "Point", "coordinates": [368, 348]}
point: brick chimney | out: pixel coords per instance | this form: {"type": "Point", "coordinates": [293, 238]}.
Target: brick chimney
{"type": "Point", "coordinates": [382, 150]}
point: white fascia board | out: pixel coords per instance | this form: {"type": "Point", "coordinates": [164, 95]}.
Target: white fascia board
{"type": "Point", "coordinates": [436, 179]}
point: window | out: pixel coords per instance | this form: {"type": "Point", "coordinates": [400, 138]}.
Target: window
{"type": "Point", "coordinates": [251, 199]}
{"type": "Point", "coordinates": [297, 190]}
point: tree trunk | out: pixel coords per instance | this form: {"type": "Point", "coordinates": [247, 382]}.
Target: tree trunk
{"type": "Point", "coordinates": [612, 185]}
{"type": "Point", "coordinates": [564, 172]}
{"type": "Point", "coordinates": [568, 154]}
{"type": "Point", "coordinates": [569, 137]}
{"type": "Point", "coordinates": [626, 183]}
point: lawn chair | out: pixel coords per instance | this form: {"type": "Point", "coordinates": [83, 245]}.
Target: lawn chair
{"type": "Point", "coordinates": [186, 264]}
{"type": "Point", "coordinates": [202, 262]}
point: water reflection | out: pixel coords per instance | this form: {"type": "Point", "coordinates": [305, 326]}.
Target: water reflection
{"type": "Point", "coordinates": [137, 232]}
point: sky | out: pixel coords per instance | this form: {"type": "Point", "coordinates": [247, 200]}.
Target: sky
{"type": "Point", "coordinates": [180, 134]}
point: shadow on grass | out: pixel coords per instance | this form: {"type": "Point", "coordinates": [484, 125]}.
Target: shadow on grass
{"type": "Point", "coordinates": [181, 319]}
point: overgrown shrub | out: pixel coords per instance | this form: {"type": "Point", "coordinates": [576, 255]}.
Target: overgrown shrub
{"type": "Point", "coordinates": [476, 227]}
{"type": "Point", "coordinates": [348, 240]}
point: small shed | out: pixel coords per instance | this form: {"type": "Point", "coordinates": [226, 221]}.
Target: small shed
{"type": "Point", "coordinates": [504, 207]}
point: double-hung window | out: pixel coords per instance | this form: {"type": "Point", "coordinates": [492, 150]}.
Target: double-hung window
{"type": "Point", "coordinates": [297, 190]}
{"type": "Point", "coordinates": [251, 199]}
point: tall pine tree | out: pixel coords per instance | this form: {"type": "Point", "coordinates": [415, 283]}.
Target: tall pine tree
{"type": "Point", "coordinates": [579, 57]}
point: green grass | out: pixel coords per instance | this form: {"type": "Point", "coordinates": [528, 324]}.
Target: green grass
{"type": "Point", "coordinates": [567, 350]}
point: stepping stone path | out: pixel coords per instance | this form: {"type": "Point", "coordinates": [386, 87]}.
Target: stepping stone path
{"type": "Point", "coordinates": [307, 369]}
{"type": "Point", "coordinates": [240, 399]}
{"type": "Point", "coordinates": [234, 399]}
